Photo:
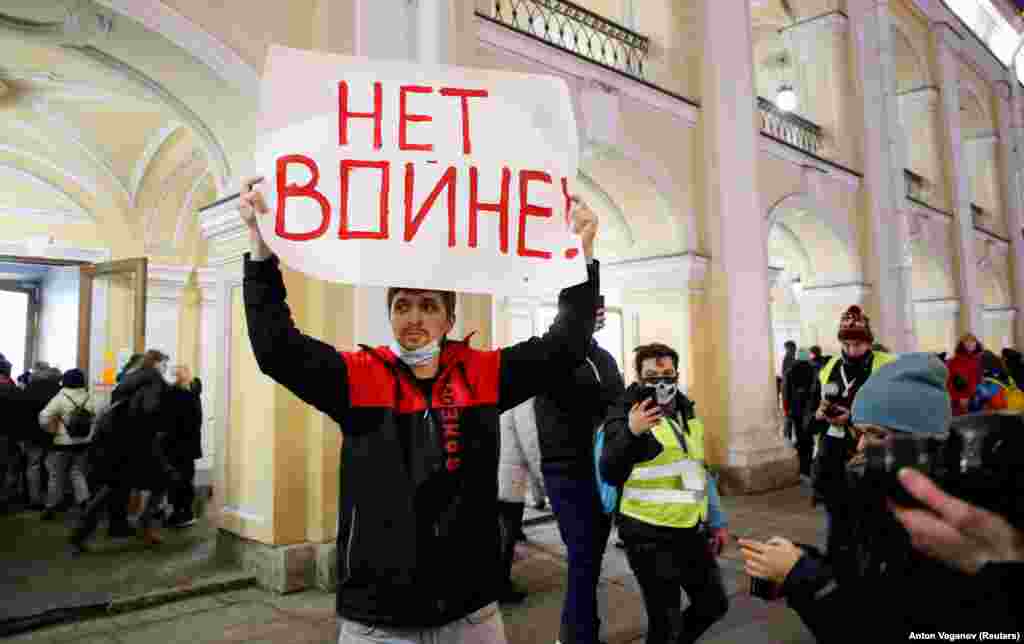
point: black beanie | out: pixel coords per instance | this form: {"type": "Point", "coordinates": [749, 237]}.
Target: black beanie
{"type": "Point", "coordinates": [73, 379]}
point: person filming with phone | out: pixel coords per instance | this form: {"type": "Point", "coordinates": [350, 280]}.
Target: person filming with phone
{"type": "Point", "coordinates": [670, 516]}
{"type": "Point", "coordinates": [913, 559]}
{"type": "Point", "coordinates": [840, 379]}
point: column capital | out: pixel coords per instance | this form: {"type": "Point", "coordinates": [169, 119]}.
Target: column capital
{"type": "Point", "coordinates": [680, 271]}
{"type": "Point", "coordinates": [942, 308]}
{"type": "Point", "coordinates": [852, 292]}
{"type": "Point", "coordinates": [925, 98]}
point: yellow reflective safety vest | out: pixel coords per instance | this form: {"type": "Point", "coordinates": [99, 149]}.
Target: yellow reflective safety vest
{"type": "Point", "coordinates": [878, 361]}
{"type": "Point", "coordinates": [670, 490]}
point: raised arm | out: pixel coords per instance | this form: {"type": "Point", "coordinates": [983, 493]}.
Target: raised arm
{"type": "Point", "coordinates": [310, 369]}
{"type": "Point", "coordinates": [525, 367]}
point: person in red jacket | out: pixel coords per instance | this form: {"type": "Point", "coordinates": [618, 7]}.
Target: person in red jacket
{"type": "Point", "coordinates": [964, 372]}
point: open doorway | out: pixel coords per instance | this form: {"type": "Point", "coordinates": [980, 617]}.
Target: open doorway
{"type": "Point", "coordinates": [40, 305]}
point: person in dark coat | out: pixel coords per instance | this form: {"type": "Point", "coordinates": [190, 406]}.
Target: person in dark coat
{"type": "Point", "coordinates": [802, 394]}
{"type": "Point", "coordinates": [131, 453]}
{"type": "Point", "coordinates": [1014, 362]}
{"type": "Point", "coordinates": [11, 409]}
{"type": "Point", "coordinates": [902, 587]}
{"type": "Point", "coordinates": [44, 385]}
{"type": "Point", "coordinates": [568, 417]}
{"type": "Point", "coordinates": [184, 409]}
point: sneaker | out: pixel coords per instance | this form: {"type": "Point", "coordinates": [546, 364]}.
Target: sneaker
{"type": "Point", "coordinates": [181, 521]}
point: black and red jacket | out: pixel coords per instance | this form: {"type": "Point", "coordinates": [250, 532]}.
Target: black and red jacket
{"type": "Point", "coordinates": [418, 538]}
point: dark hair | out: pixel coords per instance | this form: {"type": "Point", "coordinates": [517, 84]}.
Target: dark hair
{"type": "Point", "coordinates": [73, 379]}
{"type": "Point", "coordinates": [790, 345]}
{"type": "Point", "coordinates": [5, 367]}
{"type": "Point", "coordinates": [655, 350]}
{"type": "Point", "coordinates": [153, 357]}
{"type": "Point", "coordinates": [447, 298]}
{"type": "Point", "coordinates": [816, 351]}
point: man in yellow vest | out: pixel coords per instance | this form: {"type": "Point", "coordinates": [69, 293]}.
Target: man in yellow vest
{"type": "Point", "coordinates": [670, 517]}
{"type": "Point", "coordinates": [841, 379]}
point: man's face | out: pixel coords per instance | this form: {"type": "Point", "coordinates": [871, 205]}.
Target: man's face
{"type": "Point", "coordinates": [418, 318]}
{"type": "Point", "coordinates": [869, 435]}
{"type": "Point", "coordinates": [855, 348]}
{"type": "Point", "coordinates": [654, 369]}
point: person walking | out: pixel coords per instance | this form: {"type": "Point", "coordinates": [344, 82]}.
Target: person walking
{"type": "Point", "coordinates": [184, 408]}
{"type": "Point", "coordinates": [670, 515]}
{"type": "Point", "coordinates": [964, 372]}
{"type": "Point", "coordinates": [69, 417]}
{"type": "Point", "coordinates": [802, 393]}
{"type": "Point", "coordinates": [568, 417]}
{"type": "Point", "coordinates": [42, 387]}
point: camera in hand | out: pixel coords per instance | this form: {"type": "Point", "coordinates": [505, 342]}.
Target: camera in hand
{"type": "Point", "coordinates": [765, 589]}
{"type": "Point", "coordinates": [980, 460]}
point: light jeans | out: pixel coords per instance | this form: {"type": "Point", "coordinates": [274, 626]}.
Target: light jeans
{"type": "Point", "coordinates": [34, 455]}
{"type": "Point", "coordinates": [484, 626]}
{"type": "Point", "coordinates": [58, 463]}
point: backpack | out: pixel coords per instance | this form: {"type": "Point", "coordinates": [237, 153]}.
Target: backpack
{"type": "Point", "coordinates": [80, 420]}
{"type": "Point", "coordinates": [106, 424]}
{"type": "Point", "coordinates": [609, 494]}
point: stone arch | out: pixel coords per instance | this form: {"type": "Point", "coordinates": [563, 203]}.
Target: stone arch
{"type": "Point", "coordinates": [681, 224]}
{"type": "Point", "coordinates": [831, 255]}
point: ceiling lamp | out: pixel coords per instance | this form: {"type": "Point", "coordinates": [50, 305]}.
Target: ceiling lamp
{"type": "Point", "coordinates": [786, 99]}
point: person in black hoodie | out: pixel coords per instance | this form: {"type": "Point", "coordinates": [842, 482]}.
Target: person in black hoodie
{"type": "Point", "coordinates": [568, 416]}
{"type": "Point", "coordinates": [184, 408]}
{"type": "Point", "coordinates": [1014, 362]}
{"type": "Point", "coordinates": [131, 453]}
{"type": "Point", "coordinates": [419, 552]}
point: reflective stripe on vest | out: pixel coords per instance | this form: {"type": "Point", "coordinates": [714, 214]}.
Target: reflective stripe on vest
{"type": "Point", "coordinates": [670, 489]}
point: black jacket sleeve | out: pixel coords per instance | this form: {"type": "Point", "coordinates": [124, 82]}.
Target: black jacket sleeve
{"type": "Point", "coordinates": [622, 450]}
{"type": "Point", "coordinates": [310, 369]}
{"type": "Point", "coordinates": [524, 366]}
{"type": "Point", "coordinates": [822, 604]}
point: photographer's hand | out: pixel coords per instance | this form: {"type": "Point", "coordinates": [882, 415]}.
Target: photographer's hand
{"type": "Point", "coordinates": [772, 560]}
{"type": "Point", "coordinates": [958, 533]}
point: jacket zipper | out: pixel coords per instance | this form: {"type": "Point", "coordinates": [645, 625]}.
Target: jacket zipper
{"type": "Point", "coordinates": [348, 546]}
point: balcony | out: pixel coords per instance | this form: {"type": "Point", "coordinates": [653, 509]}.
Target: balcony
{"type": "Point", "coordinates": [916, 185]}
{"type": "Point", "coordinates": [574, 29]}
{"type": "Point", "coordinates": [789, 128]}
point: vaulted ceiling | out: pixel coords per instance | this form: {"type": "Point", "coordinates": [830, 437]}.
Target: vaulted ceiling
{"type": "Point", "coordinates": [105, 123]}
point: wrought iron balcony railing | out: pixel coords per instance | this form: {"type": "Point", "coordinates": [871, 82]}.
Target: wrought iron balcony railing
{"type": "Point", "coordinates": [980, 216]}
{"type": "Point", "coordinates": [790, 128]}
{"type": "Point", "coordinates": [572, 28]}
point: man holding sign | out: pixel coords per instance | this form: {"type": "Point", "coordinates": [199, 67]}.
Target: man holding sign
{"type": "Point", "coordinates": [418, 540]}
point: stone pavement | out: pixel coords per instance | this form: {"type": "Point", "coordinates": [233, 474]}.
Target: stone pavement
{"type": "Point", "coordinates": [255, 616]}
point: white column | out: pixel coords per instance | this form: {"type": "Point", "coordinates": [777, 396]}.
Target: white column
{"type": "Point", "coordinates": [1010, 163]}
{"type": "Point", "coordinates": [740, 409]}
{"type": "Point", "coordinates": [947, 44]}
{"type": "Point", "coordinates": [887, 263]}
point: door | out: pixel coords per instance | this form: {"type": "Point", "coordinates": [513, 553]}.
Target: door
{"type": "Point", "coordinates": [112, 317]}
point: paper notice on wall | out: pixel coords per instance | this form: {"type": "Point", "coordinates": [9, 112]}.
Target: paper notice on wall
{"type": "Point", "coordinates": [391, 173]}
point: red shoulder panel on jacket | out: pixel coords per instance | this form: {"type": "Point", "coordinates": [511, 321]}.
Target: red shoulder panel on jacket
{"type": "Point", "coordinates": [483, 368]}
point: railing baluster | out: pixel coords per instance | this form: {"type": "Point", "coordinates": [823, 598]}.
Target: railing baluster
{"type": "Point", "coordinates": [794, 130]}
{"type": "Point", "coordinates": [593, 36]}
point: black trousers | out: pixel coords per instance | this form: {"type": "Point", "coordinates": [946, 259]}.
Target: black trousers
{"type": "Point", "coordinates": [182, 494]}
{"type": "Point", "coordinates": [112, 497]}
{"type": "Point", "coordinates": [662, 567]}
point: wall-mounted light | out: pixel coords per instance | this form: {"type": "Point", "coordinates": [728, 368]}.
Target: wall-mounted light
{"type": "Point", "coordinates": [786, 99]}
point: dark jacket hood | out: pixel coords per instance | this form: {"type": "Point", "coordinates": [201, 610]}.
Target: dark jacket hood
{"type": "Point", "coordinates": [136, 380]}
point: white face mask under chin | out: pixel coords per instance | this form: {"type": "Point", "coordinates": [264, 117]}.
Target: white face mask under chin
{"type": "Point", "coordinates": [665, 393]}
{"type": "Point", "coordinates": [416, 357]}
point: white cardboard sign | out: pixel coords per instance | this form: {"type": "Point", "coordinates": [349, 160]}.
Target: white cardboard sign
{"type": "Point", "coordinates": [391, 173]}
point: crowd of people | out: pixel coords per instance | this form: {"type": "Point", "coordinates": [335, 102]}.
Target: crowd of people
{"type": "Point", "coordinates": [460, 434]}
{"type": "Point", "coordinates": [64, 451]}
